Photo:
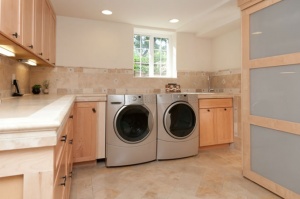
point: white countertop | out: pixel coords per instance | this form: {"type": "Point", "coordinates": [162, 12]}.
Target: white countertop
{"type": "Point", "coordinates": [32, 120]}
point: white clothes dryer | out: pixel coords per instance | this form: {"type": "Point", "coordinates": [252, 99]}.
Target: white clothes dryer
{"type": "Point", "coordinates": [177, 126]}
{"type": "Point", "coordinates": [131, 130]}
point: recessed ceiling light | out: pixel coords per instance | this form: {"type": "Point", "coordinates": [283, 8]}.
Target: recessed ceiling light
{"type": "Point", "coordinates": [173, 20]}
{"type": "Point", "coordinates": [106, 12]}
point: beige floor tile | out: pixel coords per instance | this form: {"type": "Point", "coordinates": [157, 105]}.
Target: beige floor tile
{"type": "Point", "coordinates": [212, 174]}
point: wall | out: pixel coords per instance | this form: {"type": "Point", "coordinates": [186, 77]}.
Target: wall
{"type": "Point", "coordinates": [193, 53]}
{"type": "Point", "coordinates": [226, 51]}
{"type": "Point", "coordinates": [97, 44]}
{"type": "Point", "coordinates": [8, 67]}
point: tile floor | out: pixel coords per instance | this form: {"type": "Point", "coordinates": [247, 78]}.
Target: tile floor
{"type": "Point", "coordinates": [213, 174]}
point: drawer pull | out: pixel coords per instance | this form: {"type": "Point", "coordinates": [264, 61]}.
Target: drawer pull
{"type": "Point", "coordinates": [94, 110]}
{"type": "Point", "coordinates": [15, 35]}
{"type": "Point", "coordinates": [64, 138]}
{"type": "Point", "coordinates": [64, 183]}
{"type": "Point", "coordinates": [208, 110]}
{"type": "Point", "coordinates": [71, 141]}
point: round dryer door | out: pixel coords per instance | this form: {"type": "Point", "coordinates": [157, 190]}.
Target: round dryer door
{"type": "Point", "coordinates": [179, 120]}
{"type": "Point", "coordinates": [133, 123]}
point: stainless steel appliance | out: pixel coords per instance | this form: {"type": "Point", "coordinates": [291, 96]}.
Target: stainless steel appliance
{"type": "Point", "coordinates": [131, 129]}
{"type": "Point", "coordinates": [177, 126]}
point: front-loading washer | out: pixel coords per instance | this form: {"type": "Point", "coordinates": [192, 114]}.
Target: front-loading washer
{"type": "Point", "coordinates": [131, 129]}
{"type": "Point", "coordinates": [177, 126]}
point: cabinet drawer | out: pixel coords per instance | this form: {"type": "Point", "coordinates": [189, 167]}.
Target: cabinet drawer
{"type": "Point", "coordinates": [215, 103]}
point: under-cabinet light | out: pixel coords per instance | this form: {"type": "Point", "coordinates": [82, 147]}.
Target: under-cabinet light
{"type": "Point", "coordinates": [5, 52]}
{"type": "Point", "coordinates": [257, 33]}
{"type": "Point", "coordinates": [28, 61]}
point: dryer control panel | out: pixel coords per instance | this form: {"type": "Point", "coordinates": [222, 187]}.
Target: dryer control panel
{"type": "Point", "coordinates": [134, 99]}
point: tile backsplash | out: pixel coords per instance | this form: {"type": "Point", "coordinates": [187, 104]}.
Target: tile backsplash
{"type": "Point", "coordinates": [8, 67]}
{"type": "Point", "coordinates": [69, 80]}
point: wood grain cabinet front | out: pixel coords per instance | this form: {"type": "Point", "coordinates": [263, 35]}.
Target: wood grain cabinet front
{"type": "Point", "coordinates": [10, 19]}
{"type": "Point", "coordinates": [216, 121]}
{"type": "Point", "coordinates": [85, 128]}
{"type": "Point", "coordinates": [28, 29]}
{"type": "Point", "coordinates": [63, 162]}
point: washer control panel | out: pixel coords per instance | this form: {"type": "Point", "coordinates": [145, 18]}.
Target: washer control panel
{"type": "Point", "coordinates": [134, 99]}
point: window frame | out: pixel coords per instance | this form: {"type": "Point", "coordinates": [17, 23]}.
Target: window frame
{"type": "Point", "coordinates": [171, 57]}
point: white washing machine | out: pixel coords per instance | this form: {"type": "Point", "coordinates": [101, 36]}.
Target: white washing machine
{"type": "Point", "coordinates": [177, 126]}
{"type": "Point", "coordinates": [131, 130]}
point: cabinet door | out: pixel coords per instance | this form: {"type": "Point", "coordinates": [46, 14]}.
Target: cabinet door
{"type": "Point", "coordinates": [52, 44]}
{"type": "Point", "coordinates": [224, 125]}
{"type": "Point", "coordinates": [11, 19]}
{"type": "Point", "coordinates": [46, 30]}
{"type": "Point", "coordinates": [28, 24]}
{"type": "Point", "coordinates": [85, 127]}
{"type": "Point", "coordinates": [207, 132]}
{"type": "Point", "coordinates": [38, 26]}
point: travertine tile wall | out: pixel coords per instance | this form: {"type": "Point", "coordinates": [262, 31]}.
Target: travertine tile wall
{"type": "Point", "coordinates": [70, 80]}
{"type": "Point", "coordinates": [8, 67]}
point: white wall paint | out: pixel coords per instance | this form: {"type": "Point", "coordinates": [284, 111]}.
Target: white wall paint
{"type": "Point", "coordinates": [227, 51]}
{"type": "Point", "coordinates": [193, 53]}
{"type": "Point", "coordinates": [90, 43]}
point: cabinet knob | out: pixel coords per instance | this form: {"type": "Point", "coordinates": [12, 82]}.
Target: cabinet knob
{"type": "Point", "coordinates": [15, 35]}
{"type": "Point", "coordinates": [48, 59]}
{"type": "Point", "coordinates": [94, 110]}
{"type": "Point", "coordinates": [225, 109]}
{"type": "Point", "coordinates": [31, 46]}
{"type": "Point", "coordinates": [63, 138]}
{"type": "Point", "coordinates": [208, 110]}
{"type": "Point", "coordinates": [41, 54]}
{"type": "Point", "coordinates": [71, 116]}
{"type": "Point", "coordinates": [71, 141]}
{"type": "Point", "coordinates": [70, 174]}
{"type": "Point", "coordinates": [64, 183]}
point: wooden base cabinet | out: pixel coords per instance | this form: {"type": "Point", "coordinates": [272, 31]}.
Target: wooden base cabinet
{"type": "Point", "coordinates": [63, 162]}
{"type": "Point", "coordinates": [85, 128]}
{"type": "Point", "coordinates": [215, 121]}
{"type": "Point", "coordinates": [39, 172]}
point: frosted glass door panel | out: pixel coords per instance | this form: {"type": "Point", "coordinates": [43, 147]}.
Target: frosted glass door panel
{"type": "Point", "coordinates": [275, 92]}
{"type": "Point", "coordinates": [275, 30]}
{"type": "Point", "coordinates": [275, 155]}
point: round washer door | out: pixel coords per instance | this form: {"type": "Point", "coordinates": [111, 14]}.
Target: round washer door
{"type": "Point", "coordinates": [179, 120]}
{"type": "Point", "coordinates": [133, 123]}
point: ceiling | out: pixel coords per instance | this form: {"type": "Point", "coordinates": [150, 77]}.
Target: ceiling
{"type": "Point", "coordinates": [205, 18]}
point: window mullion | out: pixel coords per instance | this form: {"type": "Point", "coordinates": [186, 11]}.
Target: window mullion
{"type": "Point", "coordinates": [151, 56]}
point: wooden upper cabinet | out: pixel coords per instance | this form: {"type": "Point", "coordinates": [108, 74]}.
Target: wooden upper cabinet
{"type": "Point", "coordinates": [38, 27]}
{"type": "Point", "coordinates": [46, 30]}
{"type": "Point", "coordinates": [10, 22]}
{"type": "Point", "coordinates": [28, 28]}
{"type": "Point", "coordinates": [52, 45]}
{"type": "Point", "coordinates": [28, 24]}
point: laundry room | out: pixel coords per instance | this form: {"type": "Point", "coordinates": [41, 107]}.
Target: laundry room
{"type": "Point", "coordinates": [160, 99]}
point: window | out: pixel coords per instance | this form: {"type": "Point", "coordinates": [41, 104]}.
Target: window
{"type": "Point", "coordinates": [153, 55]}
